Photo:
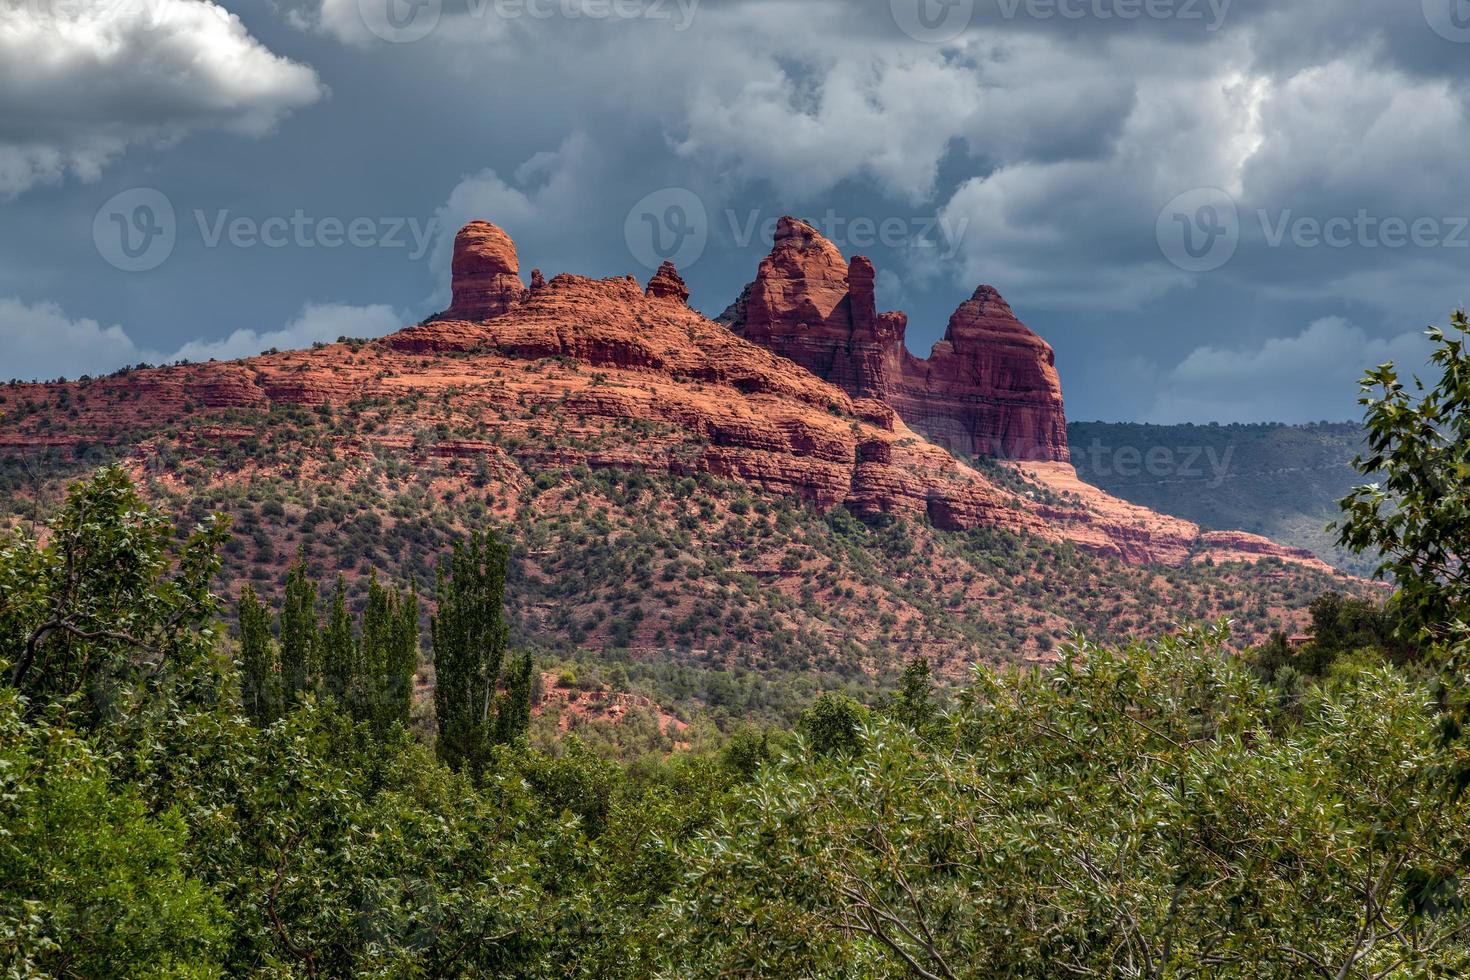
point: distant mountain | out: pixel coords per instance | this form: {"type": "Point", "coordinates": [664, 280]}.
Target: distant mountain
{"type": "Point", "coordinates": [1280, 481]}
{"type": "Point", "coordinates": [673, 493]}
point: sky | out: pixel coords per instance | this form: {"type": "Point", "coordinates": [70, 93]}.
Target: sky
{"type": "Point", "coordinates": [1214, 210]}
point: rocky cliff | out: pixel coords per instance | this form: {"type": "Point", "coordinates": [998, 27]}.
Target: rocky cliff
{"type": "Point", "coordinates": [988, 388]}
{"type": "Point", "coordinates": [609, 357]}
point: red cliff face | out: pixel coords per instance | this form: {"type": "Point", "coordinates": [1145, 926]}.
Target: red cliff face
{"type": "Point", "coordinates": [667, 390]}
{"type": "Point", "coordinates": [989, 388]}
{"type": "Point", "coordinates": [487, 279]}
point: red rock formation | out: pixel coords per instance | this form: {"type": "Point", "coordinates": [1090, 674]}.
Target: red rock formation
{"type": "Point", "coordinates": [486, 273]}
{"type": "Point", "coordinates": [989, 388]}
{"type": "Point", "coordinates": [698, 397]}
{"type": "Point", "coordinates": [668, 284]}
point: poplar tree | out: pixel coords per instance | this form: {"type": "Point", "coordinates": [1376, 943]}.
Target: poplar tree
{"type": "Point", "coordinates": [469, 636]}
{"type": "Point", "coordinates": [513, 708]}
{"type": "Point", "coordinates": [300, 660]}
{"type": "Point", "coordinates": [338, 651]}
{"type": "Point", "coordinates": [259, 681]}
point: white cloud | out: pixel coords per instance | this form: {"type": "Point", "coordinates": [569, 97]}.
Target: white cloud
{"type": "Point", "coordinates": [82, 80]}
{"type": "Point", "coordinates": [39, 342]}
{"type": "Point", "coordinates": [548, 194]}
{"type": "Point", "coordinates": [1285, 378]}
{"type": "Point", "coordinates": [316, 322]}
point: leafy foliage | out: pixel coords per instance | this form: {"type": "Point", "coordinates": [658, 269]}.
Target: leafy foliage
{"type": "Point", "coordinates": [1419, 517]}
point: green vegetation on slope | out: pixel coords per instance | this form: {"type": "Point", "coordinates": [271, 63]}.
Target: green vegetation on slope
{"type": "Point", "coordinates": [1153, 810]}
{"type": "Point", "coordinates": [1156, 809]}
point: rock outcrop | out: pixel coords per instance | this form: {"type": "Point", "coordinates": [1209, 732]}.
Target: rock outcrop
{"type": "Point", "coordinates": [988, 388]}
{"type": "Point", "coordinates": [486, 274]}
{"type": "Point", "coordinates": [606, 373]}
{"type": "Point", "coordinates": [668, 284]}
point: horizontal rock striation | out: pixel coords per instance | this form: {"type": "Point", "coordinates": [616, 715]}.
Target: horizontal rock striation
{"type": "Point", "coordinates": [988, 388]}
{"type": "Point", "coordinates": [609, 373]}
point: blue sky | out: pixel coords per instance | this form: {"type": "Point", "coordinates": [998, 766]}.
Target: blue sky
{"type": "Point", "coordinates": [1213, 210]}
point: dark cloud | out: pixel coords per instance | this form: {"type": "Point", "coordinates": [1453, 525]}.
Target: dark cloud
{"type": "Point", "coordinates": [1033, 149]}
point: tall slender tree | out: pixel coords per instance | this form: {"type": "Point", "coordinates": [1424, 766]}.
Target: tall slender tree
{"type": "Point", "coordinates": [513, 707]}
{"type": "Point", "coordinates": [258, 661]}
{"type": "Point", "coordinates": [469, 636]}
{"type": "Point", "coordinates": [338, 650]}
{"type": "Point", "coordinates": [401, 660]}
{"type": "Point", "coordinates": [300, 660]}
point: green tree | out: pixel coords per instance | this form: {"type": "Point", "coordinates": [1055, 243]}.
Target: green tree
{"type": "Point", "coordinates": [387, 658]}
{"type": "Point", "coordinates": [914, 703]}
{"type": "Point", "coordinates": [402, 660]}
{"type": "Point", "coordinates": [1127, 813]}
{"type": "Point", "coordinates": [300, 657]}
{"type": "Point", "coordinates": [259, 679]}
{"type": "Point", "coordinates": [105, 602]}
{"type": "Point", "coordinates": [1418, 518]}
{"type": "Point", "coordinates": [469, 636]}
{"type": "Point", "coordinates": [513, 706]}
{"type": "Point", "coordinates": [339, 650]}
{"type": "Point", "coordinates": [831, 724]}
{"type": "Point", "coordinates": [91, 883]}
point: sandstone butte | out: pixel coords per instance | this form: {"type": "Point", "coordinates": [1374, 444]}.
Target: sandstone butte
{"type": "Point", "coordinates": [603, 356]}
{"type": "Point", "coordinates": [988, 388]}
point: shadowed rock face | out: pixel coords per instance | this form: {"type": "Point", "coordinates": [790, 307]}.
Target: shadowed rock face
{"type": "Point", "coordinates": [487, 279]}
{"type": "Point", "coordinates": [989, 388]}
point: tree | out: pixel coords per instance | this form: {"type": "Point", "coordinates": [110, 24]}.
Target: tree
{"type": "Point", "coordinates": [387, 658]}
{"type": "Point", "coordinates": [91, 883]}
{"type": "Point", "coordinates": [300, 658]}
{"type": "Point", "coordinates": [513, 707]}
{"type": "Point", "coordinates": [469, 636]}
{"type": "Point", "coordinates": [831, 724]}
{"type": "Point", "coordinates": [1418, 519]}
{"type": "Point", "coordinates": [259, 679]}
{"type": "Point", "coordinates": [1129, 812]}
{"type": "Point", "coordinates": [339, 650]}
{"type": "Point", "coordinates": [106, 601]}
{"type": "Point", "coordinates": [914, 704]}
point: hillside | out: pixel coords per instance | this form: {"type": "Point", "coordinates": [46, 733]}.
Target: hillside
{"type": "Point", "coordinates": [1280, 481]}
{"type": "Point", "coordinates": [674, 493]}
